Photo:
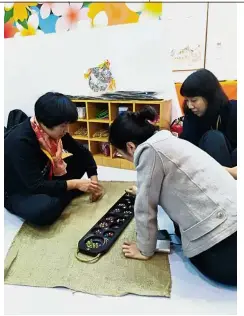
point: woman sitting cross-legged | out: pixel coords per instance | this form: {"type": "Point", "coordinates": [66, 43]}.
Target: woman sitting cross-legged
{"type": "Point", "coordinates": [210, 120]}
{"type": "Point", "coordinates": [195, 191]}
{"type": "Point", "coordinates": [38, 182]}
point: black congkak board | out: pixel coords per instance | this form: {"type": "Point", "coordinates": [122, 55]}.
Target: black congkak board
{"type": "Point", "coordinates": [100, 238]}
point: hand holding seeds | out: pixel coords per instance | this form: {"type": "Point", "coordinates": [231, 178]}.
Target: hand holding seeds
{"type": "Point", "coordinates": [132, 190]}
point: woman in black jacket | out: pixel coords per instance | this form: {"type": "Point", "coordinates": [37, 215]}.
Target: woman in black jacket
{"type": "Point", "coordinates": [38, 181]}
{"type": "Point", "coordinates": [210, 118]}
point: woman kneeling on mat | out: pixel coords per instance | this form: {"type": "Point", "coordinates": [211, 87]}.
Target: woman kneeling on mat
{"type": "Point", "coordinates": [195, 191]}
{"type": "Point", "coordinates": [38, 182]}
{"type": "Point", "coordinates": [210, 120]}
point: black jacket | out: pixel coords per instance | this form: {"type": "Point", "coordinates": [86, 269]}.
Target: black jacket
{"type": "Point", "coordinates": [26, 167]}
{"type": "Point", "coordinates": [194, 129]}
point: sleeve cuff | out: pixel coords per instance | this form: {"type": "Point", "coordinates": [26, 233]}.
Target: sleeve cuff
{"type": "Point", "coordinates": [91, 172]}
{"type": "Point", "coordinates": [147, 252]}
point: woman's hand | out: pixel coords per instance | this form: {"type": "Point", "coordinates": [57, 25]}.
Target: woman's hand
{"type": "Point", "coordinates": [87, 185]}
{"type": "Point", "coordinates": [132, 190]}
{"type": "Point", "coordinates": [232, 171]}
{"type": "Point", "coordinates": [130, 250]}
{"type": "Point", "coordinates": [96, 196]}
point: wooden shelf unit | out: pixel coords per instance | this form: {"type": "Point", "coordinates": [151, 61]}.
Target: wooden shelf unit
{"type": "Point", "coordinates": [93, 124]}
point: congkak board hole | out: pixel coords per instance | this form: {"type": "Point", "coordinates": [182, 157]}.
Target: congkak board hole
{"type": "Point", "coordinates": [108, 234]}
{"type": "Point", "coordinates": [94, 242]}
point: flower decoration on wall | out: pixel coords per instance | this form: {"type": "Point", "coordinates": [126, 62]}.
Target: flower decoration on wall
{"type": "Point", "coordinates": [51, 17]}
{"type": "Point", "coordinates": [103, 14]}
{"type": "Point", "coordinates": [71, 15]}
{"type": "Point", "coordinates": [9, 30]}
{"type": "Point", "coordinates": [32, 26]}
{"type": "Point", "coordinates": [18, 11]}
{"type": "Point", "coordinates": [56, 8]}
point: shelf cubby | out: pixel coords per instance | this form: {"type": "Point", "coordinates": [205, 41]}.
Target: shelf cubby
{"type": "Point", "coordinates": [139, 106]}
{"type": "Point", "coordinates": [96, 128]}
{"type": "Point", "coordinates": [92, 112]}
{"type": "Point", "coordinates": [74, 128]}
{"type": "Point", "coordinates": [100, 158]}
{"type": "Point", "coordinates": [94, 124]}
{"type": "Point", "coordinates": [114, 109]}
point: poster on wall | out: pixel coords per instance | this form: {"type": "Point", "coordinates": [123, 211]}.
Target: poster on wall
{"type": "Point", "coordinates": [32, 18]}
{"type": "Point", "coordinates": [186, 23]}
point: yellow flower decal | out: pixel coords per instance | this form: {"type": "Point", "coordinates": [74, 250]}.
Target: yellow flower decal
{"type": "Point", "coordinates": [112, 85]}
{"type": "Point", "coordinates": [117, 13]}
{"type": "Point", "coordinates": [94, 9]}
{"type": "Point", "coordinates": [153, 8]}
{"type": "Point", "coordinates": [27, 32]}
{"type": "Point", "coordinates": [19, 9]}
{"type": "Point", "coordinates": [32, 26]}
{"type": "Point", "coordinates": [87, 74]}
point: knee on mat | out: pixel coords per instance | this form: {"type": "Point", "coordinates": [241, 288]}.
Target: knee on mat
{"type": "Point", "coordinates": [48, 213]}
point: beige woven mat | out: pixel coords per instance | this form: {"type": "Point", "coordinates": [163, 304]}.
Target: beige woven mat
{"type": "Point", "coordinates": [45, 257]}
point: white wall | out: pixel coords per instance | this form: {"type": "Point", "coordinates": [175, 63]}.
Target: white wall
{"type": "Point", "coordinates": [138, 53]}
{"type": "Point", "coordinates": [222, 40]}
{"type": "Point", "coordinates": [57, 62]}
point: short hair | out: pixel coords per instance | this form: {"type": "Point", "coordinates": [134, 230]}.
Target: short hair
{"type": "Point", "coordinates": [203, 83]}
{"type": "Point", "coordinates": [53, 109]}
{"type": "Point", "coordinates": [132, 127]}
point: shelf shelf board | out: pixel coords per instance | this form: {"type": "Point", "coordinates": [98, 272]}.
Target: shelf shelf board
{"type": "Point", "coordinates": [99, 139]}
{"type": "Point", "coordinates": [157, 124]}
{"type": "Point", "coordinates": [81, 120]}
{"type": "Point", "coordinates": [119, 159]}
{"type": "Point", "coordinates": [98, 120]}
{"type": "Point", "coordinates": [97, 101]}
{"type": "Point", "coordinates": [125, 102]}
{"type": "Point", "coordinates": [79, 137]}
{"type": "Point", "coordinates": [101, 156]}
{"type": "Point", "coordinates": [80, 101]}
{"type": "Point", "coordinates": [119, 101]}
{"type": "Point", "coordinates": [152, 102]}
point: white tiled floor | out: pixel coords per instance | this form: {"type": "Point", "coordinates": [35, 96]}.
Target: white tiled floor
{"type": "Point", "coordinates": [192, 294]}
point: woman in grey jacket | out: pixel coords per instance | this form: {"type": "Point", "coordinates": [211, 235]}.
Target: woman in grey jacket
{"type": "Point", "coordinates": [196, 192]}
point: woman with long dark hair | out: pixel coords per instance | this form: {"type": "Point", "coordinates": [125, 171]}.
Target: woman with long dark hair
{"type": "Point", "coordinates": [210, 117]}
{"type": "Point", "coordinates": [178, 176]}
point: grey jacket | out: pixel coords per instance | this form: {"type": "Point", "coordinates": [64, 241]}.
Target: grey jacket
{"type": "Point", "coordinates": [195, 191]}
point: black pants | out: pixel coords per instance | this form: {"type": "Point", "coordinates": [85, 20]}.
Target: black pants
{"type": "Point", "coordinates": [218, 147]}
{"type": "Point", "coordinates": [219, 263]}
{"type": "Point", "coordinates": [42, 209]}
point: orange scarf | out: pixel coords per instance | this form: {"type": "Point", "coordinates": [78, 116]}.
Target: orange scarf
{"type": "Point", "coordinates": [52, 148]}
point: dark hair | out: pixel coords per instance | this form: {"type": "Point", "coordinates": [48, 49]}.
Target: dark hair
{"type": "Point", "coordinates": [132, 127]}
{"type": "Point", "coordinates": [54, 108]}
{"type": "Point", "coordinates": [203, 83]}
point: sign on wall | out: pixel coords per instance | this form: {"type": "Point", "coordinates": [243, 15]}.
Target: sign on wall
{"type": "Point", "coordinates": [186, 23]}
